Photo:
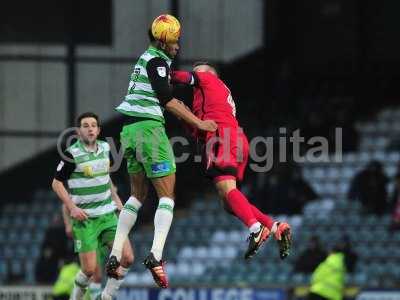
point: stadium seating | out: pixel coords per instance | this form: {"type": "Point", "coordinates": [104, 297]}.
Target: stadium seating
{"type": "Point", "coordinates": [330, 217]}
{"type": "Point", "coordinates": [22, 228]}
{"type": "Point", "coordinates": [206, 245]}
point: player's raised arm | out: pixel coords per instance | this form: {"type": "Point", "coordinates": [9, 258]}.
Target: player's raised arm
{"type": "Point", "coordinates": [178, 109]}
{"type": "Point", "coordinates": [158, 70]}
{"type": "Point", "coordinates": [184, 77]}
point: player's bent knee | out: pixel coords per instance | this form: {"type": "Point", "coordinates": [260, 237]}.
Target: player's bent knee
{"type": "Point", "coordinates": [223, 188]}
{"type": "Point", "coordinates": [89, 271]}
{"type": "Point", "coordinates": [97, 275]}
{"type": "Point", "coordinates": [128, 257]}
{"type": "Point", "coordinates": [127, 260]}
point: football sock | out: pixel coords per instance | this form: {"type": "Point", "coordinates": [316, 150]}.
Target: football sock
{"type": "Point", "coordinates": [240, 207]}
{"type": "Point", "coordinates": [80, 286]}
{"type": "Point", "coordinates": [126, 220]}
{"type": "Point", "coordinates": [255, 227]}
{"type": "Point", "coordinates": [113, 285]}
{"type": "Point", "coordinates": [162, 223]}
{"type": "Point", "coordinates": [94, 289]}
{"type": "Point", "coordinates": [263, 218]}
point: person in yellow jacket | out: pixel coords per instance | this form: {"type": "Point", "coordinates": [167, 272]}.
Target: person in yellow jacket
{"type": "Point", "coordinates": [65, 281]}
{"type": "Point", "coordinates": [328, 279]}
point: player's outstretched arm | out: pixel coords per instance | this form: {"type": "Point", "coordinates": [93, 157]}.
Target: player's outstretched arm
{"type": "Point", "coordinates": [157, 71]}
{"type": "Point", "coordinates": [183, 77]}
{"type": "Point", "coordinates": [179, 110]}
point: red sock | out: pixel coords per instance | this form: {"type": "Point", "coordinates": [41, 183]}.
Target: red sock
{"type": "Point", "coordinates": [240, 207]}
{"type": "Point", "coordinates": [262, 218]}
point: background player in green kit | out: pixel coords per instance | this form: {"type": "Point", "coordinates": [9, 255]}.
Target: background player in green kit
{"type": "Point", "coordinates": [147, 149]}
{"type": "Point", "coordinates": [94, 288]}
{"type": "Point", "coordinates": [91, 202]}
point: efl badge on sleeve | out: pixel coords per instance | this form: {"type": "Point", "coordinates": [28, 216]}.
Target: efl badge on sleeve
{"type": "Point", "coordinates": [162, 71]}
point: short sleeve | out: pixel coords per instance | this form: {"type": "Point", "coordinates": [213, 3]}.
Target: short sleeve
{"type": "Point", "coordinates": [158, 73]}
{"type": "Point", "coordinates": [65, 167]}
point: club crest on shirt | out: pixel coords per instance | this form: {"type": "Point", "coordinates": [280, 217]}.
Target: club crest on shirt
{"type": "Point", "coordinates": [162, 71]}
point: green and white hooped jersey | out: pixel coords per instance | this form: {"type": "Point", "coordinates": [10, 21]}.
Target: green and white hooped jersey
{"type": "Point", "coordinates": [141, 100]}
{"type": "Point", "coordinates": [90, 184]}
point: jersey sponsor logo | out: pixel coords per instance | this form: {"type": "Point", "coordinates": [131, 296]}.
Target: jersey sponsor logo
{"type": "Point", "coordinates": [60, 165]}
{"type": "Point", "coordinates": [88, 171]}
{"type": "Point", "coordinates": [162, 71]}
{"type": "Point", "coordinates": [96, 167]}
{"type": "Point", "coordinates": [160, 167]}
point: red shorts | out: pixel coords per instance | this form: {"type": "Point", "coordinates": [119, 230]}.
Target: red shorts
{"type": "Point", "coordinates": [226, 153]}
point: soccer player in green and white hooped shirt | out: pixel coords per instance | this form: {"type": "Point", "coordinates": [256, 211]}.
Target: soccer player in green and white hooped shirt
{"type": "Point", "coordinates": [147, 149]}
{"type": "Point", "coordinates": [91, 202]}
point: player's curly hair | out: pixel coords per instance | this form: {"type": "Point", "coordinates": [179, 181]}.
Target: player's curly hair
{"type": "Point", "coordinates": [151, 36]}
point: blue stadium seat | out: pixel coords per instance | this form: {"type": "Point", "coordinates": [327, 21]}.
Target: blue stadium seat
{"type": "Point", "coordinates": [13, 236]}
{"type": "Point", "coordinates": [5, 222]}
{"type": "Point", "coordinates": [29, 271]}
{"type": "Point", "coordinates": [3, 269]}
{"type": "Point", "coordinates": [358, 279]}
{"type": "Point", "coordinates": [300, 279]}
{"type": "Point", "coordinates": [16, 268]}
{"type": "Point", "coordinates": [21, 252]}
{"type": "Point", "coordinates": [34, 251]}
{"type": "Point", "coordinates": [43, 222]}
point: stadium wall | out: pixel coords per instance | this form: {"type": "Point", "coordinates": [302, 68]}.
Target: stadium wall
{"type": "Point", "coordinates": [33, 89]}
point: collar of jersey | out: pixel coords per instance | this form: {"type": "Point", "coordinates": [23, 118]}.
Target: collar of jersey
{"type": "Point", "coordinates": [83, 148]}
{"type": "Point", "coordinates": [159, 52]}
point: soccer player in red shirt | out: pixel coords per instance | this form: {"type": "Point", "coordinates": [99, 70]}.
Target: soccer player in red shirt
{"type": "Point", "coordinates": [226, 154]}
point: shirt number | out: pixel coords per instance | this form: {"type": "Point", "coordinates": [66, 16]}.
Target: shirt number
{"type": "Point", "coordinates": [232, 104]}
{"type": "Point", "coordinates": [134, 78]}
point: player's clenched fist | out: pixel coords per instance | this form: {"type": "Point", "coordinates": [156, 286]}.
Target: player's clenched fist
{"type": "Point", "coordinates": [208, 125]}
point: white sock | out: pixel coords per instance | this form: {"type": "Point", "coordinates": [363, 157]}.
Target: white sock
{"type": "Point", "coordinates": [94, 290]}
{"type": "Point", "coordinates": [80, 286]}
{"type": "Point", "coordinates": [113, 285]}
{"type": "Point", "coordinates": [126, 220]}
{"type": "Point", "coordinates": [274, 227]}
{"type": "Point", "coordinates": [255, 227]}
{"type": "Point", "coordinates": [162, 223]}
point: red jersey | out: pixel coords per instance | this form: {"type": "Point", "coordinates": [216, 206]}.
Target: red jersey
{"type": "Point", "coordinates": [227, 155]}
{"type": "Point", "coordinates": [212, 99]}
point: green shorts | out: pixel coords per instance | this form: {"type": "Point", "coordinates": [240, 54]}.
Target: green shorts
{"type": "Point", "coordinates": [147, 148]}
{"type": "Point", "coordinates": [94, 233]}
{"type": "Point", "coordinates": [101, 254]}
